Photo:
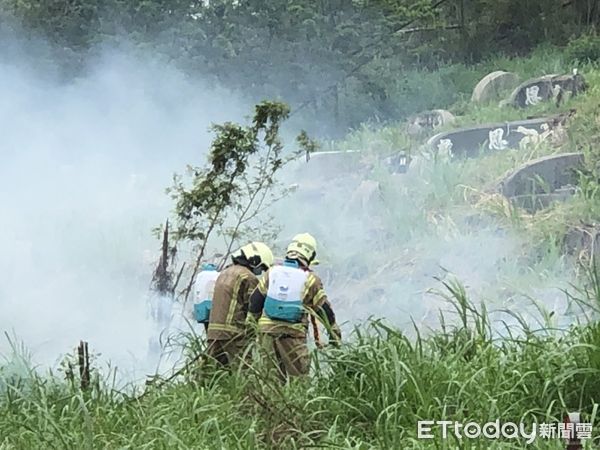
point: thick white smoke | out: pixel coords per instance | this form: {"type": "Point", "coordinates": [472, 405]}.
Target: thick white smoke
{"type": "Point", "coordinates": [83, 168]}
{"type": "Point", "coordinates": [388, 241]}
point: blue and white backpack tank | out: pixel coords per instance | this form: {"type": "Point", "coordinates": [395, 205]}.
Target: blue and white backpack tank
{"type": "Point", "coordinates": [203, 292]}
{"type": "Point", "coordinates": [284, 295]}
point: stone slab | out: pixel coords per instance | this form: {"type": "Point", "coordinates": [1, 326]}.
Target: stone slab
{"type": "Point", "coordinates": [543, 89]}
{"type": "Point", "coordinates": [543, 175]}
{"type": "Point", "coordinates": [493, 86]}
{"type": "Point", "coordinates": [473, 141]}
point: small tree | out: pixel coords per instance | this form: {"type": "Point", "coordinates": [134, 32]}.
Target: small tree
{"type": "Point", "coordinates": [229, 197]}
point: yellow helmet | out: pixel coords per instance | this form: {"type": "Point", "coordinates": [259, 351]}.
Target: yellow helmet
{"type": "Point", "coordinates": [303, 246]}
{"type": "Point", "coordinates": [258, 255]}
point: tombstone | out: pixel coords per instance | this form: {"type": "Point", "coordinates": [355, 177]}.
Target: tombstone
{"type": "Point", "coordinates": [429, 120]}
{"type": "Point", "coordinates": [549, 87]}
{"type": "Point", "coordinates": [543, 175]}
{"type": "Point", "coordinates": [532, 92]}
{"type": "Point", "coordinates": [339, 164]}
{"type": "Point", "coordinates": [493, 86]}
{"type": "Point", "coordinates": [542, 182]}
{"type": "Point", "coordinates": [334, 156]}
{"type": "Point", "coordinates": [471, 142]}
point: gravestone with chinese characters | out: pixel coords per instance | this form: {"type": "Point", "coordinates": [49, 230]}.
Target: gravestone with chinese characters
{"type": "Point", "coordinates": [493, 86]}
{"type": "Point", "coordinates": [549, 87]}
{"type": "Point", "coordinates": [473, 141]}
{"type": "Point", "coordinates": [429, 120]}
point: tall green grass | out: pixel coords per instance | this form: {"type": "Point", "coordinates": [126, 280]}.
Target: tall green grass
{"type": "Point", "coordinates": [368, 394]}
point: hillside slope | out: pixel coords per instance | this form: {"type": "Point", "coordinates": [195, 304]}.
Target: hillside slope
{"type": "Point", "coordinates": [509, 344]}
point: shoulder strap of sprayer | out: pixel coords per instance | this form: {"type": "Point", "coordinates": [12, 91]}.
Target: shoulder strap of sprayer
{"type": "Point", "coordinates": [291, 263]}
{"type": "Point", "coordinates": [296, 264]}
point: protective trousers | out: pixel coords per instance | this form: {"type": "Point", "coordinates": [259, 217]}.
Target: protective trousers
{"type": "Point", "coordinates": [289, 354]}
{"type": "Point", "coordinates": [227, 351]}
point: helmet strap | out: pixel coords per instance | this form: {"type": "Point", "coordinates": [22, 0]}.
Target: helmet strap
{"type": "Point", "coordinates": [253, 263]}
{"type": "Point", "coordinates": [241, 260]}
{"type": "Point", "coordinates": [300, 260]}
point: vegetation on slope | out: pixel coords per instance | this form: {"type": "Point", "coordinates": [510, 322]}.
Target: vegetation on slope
{"type": "Point", "coordinates": [346, 61]}
{"type": "Point", "coordinates": [368, 394]}
{"type": "Point", "coordinates": [474, 176]}
{"type": "Point", "coordinates": [371, 392]}
{"type": "Point", "coordinates": [482, 365]}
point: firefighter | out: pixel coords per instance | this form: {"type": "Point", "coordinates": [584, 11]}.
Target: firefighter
{"type": "Point", "coordinates": [227, 335]}
{"type": "Point", "coordinates": [282, 301]}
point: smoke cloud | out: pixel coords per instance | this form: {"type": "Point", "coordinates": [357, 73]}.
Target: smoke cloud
{"type": "Point", "coordinates": [83, 168]}
{"type": "Point", "coordinates": [84, 164]}
{"type": "Point", "coordinates": [388, 242]}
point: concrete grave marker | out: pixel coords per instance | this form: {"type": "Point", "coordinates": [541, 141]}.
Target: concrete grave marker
{"type": "Point", "coordinates": [398, 162]}
{"type": "Point", "coordinates": [493, 86]}
{"type": "Point", "coordinates": [538, 183]}
{"type": "Point", "coordinates": [555, 171]}
{"type": "Point", "coordinates": [472, 141]}
{"type": "Point", "coordinates": [549, 87]}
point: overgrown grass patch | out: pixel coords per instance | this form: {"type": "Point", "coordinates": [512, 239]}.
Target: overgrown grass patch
{"type": "Point", "coordinates": [370, 393]}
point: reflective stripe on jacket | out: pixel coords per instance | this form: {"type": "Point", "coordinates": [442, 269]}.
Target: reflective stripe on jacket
{"type": "Point", "coordinates": [313, 296]}
{"type": "Point", "coordinates": [232, 292]}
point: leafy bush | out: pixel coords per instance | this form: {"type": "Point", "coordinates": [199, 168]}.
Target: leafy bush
{"type": "Point", "coordinates": [585, 48]}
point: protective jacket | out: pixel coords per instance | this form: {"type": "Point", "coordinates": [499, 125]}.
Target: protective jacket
{"type": "Point", "coordinates": [230, 303]}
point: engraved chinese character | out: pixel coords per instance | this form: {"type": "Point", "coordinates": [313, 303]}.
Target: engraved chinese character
{"type": "Point", "coordinates": [532, 96]}
{"type": "Point", "coordinates": [496, 141]}
{"type": "Point", "coordinates": [445, 148]}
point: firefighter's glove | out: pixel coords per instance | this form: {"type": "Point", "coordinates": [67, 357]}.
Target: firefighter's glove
{"type": "Point", "coordinates": [335, 336]}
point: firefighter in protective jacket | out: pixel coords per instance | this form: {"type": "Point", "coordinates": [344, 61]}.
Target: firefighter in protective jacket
{"type": "Point", "coordinates": [282, 301]}
{"type": "Point", "coordinates": [227, 336]}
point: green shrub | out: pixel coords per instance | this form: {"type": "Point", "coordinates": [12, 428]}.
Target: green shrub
{"type": "Point", "coordinates": [585, 48]}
